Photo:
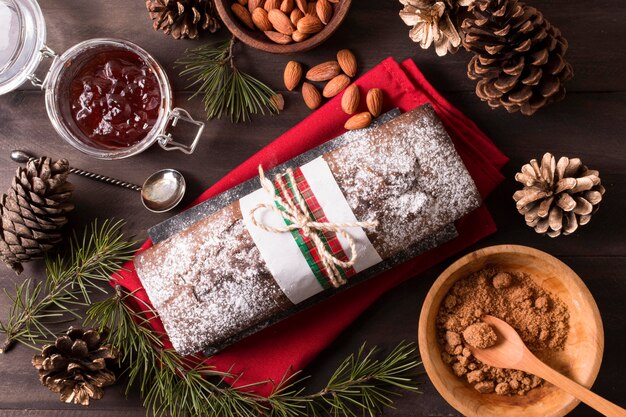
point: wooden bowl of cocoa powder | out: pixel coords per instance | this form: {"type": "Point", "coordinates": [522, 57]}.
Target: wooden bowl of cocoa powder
{"type": "Point", "coordinates": [548, 302]}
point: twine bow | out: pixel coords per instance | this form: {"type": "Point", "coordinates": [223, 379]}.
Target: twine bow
{"type": "Point", "coordinates": [295, 211]}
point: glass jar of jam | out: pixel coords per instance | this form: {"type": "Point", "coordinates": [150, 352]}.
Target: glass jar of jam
{"type": "Point", "coordinates": [108, 98]}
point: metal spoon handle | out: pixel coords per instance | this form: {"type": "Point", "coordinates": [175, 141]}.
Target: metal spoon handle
{"type": "Point", "coordinates": [104, 178]}
{"type": "Point", "coordinates": [22, 157]}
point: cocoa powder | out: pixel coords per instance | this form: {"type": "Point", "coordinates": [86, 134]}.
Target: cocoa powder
{"type": "Point", "coordinates": [540, 318]}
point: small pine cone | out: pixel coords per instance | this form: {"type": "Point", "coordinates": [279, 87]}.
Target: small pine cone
{"type": "Point", "coordinates": [76, 366]}
{"type": "Point", "coordinates": [519, 57]}
{"type": "Point", "coordinates": [33, 211]}
{"type": "Point", "coordinates": [434, 22]}
{"type": "Point", "coordinates": [183, 18]}
{"type": "Point", "coordinates": [558, 197]}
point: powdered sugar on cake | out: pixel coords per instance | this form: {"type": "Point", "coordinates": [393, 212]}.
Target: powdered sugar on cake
{"type": "Point", "coordinates": [208, 282]}
{"type": "Point", "coordinates": [405, 174]}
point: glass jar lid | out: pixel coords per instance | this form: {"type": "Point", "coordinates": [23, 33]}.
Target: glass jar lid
{"type": "Point", "coordinates": [22, 37]}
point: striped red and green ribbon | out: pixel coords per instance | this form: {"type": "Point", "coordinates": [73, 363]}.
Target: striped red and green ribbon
{"type": "Point", "coordinates": [304, 242]}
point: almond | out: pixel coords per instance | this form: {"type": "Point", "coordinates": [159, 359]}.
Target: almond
{"type": "Point", "coordinates": [286, 6]}
{"type": "Point", "coordinates": [310, 24]}
{"type": "Point", "coordinates": [336, 85]}
{"type": "Point", "coordinates": [280, 21]}
{"type": "Point", "coordinates": [296, 14]}
{"type": "Point", "coordinates": [279, 38]}
{"type": "Point", "coordinates": [299, 36]}
{"type": "Point", "coordinates": [302, 5]}
{"type": "Point", "coordinates": [312, 97]}
{"type": "Point", "coordinates": [271, 4]}
{"type": "Point", "coordinates": [242, 14]}
{"type": "Point", "coordinates": [243, 2]}
{"type": "Point", "coordinates": [259, 17]}
{"type": "Point", "coordinates": [374, 101]}
{"type": "Point", "coordinates": [253, 4]}
{"type": "Point", "coordinates": [350, 100]}
{"type": "Point", "coordinates": [324, 11]}
{"type": "Point", "coordinates": [312, 8]}
{"type": "Point", "coordinates": [324, 71]}
{"type": "Point", "coordinates": [292, 75]}
{"type": "Point", "coordinates": [278, 101]}
{"type": "Point", "coordinates": [347, 62]}
{"type": "Point", "coordinates": [359, 121]}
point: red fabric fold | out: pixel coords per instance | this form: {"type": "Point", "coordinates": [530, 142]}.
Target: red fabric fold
{"type": "Point", "coordinates": [291, 344]}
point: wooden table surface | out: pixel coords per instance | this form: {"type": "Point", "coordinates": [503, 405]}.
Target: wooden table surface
{"type": "Point", "coordinates": [590, 123]}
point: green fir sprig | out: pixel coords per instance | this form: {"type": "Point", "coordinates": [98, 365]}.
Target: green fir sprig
{"type": "Point", "coordinates": [224, 88]}
{"type": "Point", "coordinates": [363, 383]}
{"type": "Point", "coordinates": [38, 306]}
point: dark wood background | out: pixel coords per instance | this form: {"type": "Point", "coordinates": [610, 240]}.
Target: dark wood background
{"type": "Point", "coordinates": [590, 123]}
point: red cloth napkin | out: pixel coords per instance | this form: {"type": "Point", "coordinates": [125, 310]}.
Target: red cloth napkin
{"type": "Point", "coordinates": [291, 344]}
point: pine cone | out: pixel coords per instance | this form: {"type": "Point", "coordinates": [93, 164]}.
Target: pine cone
{"type": "Point", "coordinates": [183, 18]}
{"type": "Point", "coordinates": [558, 197]}
{"type": "Point", "coordinates": [519, 57]}
{"type": "Point", "coordinates": [76, 366]}
{"type": "Point", "coordinates": [433, 22]}
{"type": "Point", "coordinates": [34, 210]}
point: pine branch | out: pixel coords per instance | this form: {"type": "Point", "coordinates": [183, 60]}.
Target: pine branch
{"type": "Point", "coordinates": [36, 307]}
{"type": "Point", "coordinates": [225, 89]}
{"type": "Point", "coordinates": [363, 383]}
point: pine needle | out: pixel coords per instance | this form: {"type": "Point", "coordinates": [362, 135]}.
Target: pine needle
{"type": "Point", "coordinates": [363, 383]}
{"type": "Point", "coordinates": [37, 308]}
{"type": "Point", "coordinates": [225, 89]}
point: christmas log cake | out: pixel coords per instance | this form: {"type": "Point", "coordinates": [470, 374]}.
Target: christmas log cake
{"type": "Point", "coordinates": [307, 230]}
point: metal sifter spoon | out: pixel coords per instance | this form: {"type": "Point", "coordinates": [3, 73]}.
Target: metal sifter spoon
{"type": "Point", "coordinates": [161, 192]}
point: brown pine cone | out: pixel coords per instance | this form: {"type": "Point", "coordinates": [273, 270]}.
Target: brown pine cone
{"type": "Point", "coordinates": [76, 366]}
{"type": "Point", "coordinates": [434, 22]}
{"type": "Point", "coordinates": [519, 57]}
{"type": "Point", "coordinates": [183, 18]}
{"type": "Point", "coordinates": [33, 210]}
{"type": "Point", "coordinates": [558, 197]}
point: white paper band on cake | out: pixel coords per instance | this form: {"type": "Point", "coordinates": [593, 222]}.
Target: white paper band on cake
{"type": "Point", "coordinates": [280, 251]}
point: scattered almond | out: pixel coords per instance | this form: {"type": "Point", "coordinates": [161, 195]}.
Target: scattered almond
{"type": "Point", "coordinates": [279, 101]}
{"type": "Point", "coordinates": [292, 75]}
{"type": "Point", "coordinates": [359, 121]}
{"type": "Point", "coordinates": [253, 4]}
{"type": "Point", "coordinates": [243, 14]}
{"type": "Point", "coordinates": [311, 96]}
{"type": "Point", "coordinates": [336, 85]}
{"type": "Point", "coordinates": [310, 24]}
{"type": "Point", "coordinates": [279, 38]}
{"type": "Point", "coordinates": [347, 62]}
{"type": "Point", "coordinates": [271, 4]}
{"type": "Point", "coordinates": [260, 19]}
{"type": "Point", "coordinates": [324, 11]}
{"type": "Point", "coordinates": [350, 100]}
{"type": "Point", "coordinates": [324, 71]}
{"type": "Point", "coordinates": [374, 101]}
{"type": "Point", "coordinates": [296, 14]}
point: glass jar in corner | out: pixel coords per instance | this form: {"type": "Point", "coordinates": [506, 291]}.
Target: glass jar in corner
{"type": "Point", "coordinates": [108, 98]}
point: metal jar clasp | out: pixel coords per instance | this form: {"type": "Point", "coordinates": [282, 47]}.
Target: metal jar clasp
{"type": "Point", "coordinates": [168, 143]}
{"type": "Point", "coordinates": [45, 52]}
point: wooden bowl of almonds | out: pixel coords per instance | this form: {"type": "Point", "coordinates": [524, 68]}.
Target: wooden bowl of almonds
{"type": "Point", "coordinates": [542, 298]}
{"type": "Point", "coordinates": [282, 26]}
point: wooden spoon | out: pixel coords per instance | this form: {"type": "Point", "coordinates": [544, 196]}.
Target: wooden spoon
{"type": "Point", "coordinates": [511, 352]}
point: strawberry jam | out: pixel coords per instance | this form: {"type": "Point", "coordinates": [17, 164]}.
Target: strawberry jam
{"type": "Point", "coordinates": [115, 99]}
